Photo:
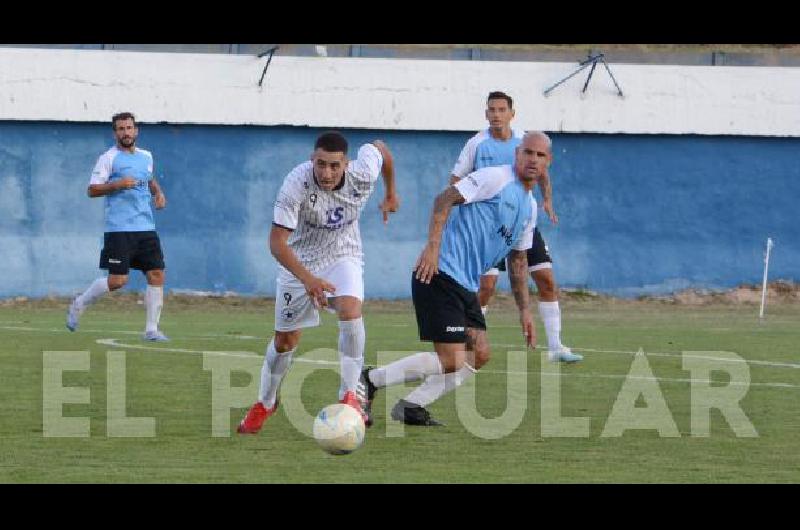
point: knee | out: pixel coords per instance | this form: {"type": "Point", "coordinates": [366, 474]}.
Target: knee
{"type": "Point", "coordinates": [482, 356]}
{"type": "Point", "coordinates": [488, 283]}
{"type": "Point", "coordinates": [285, 342]}
{"type": "Point", "coordinates": [451, 361]}
{"type": "Point", "coordinates": [546, 284]}
{"type": "Point", "coordinates": [155, 277]}
{"type": "Point", "coordinates": [116, 282]}
{"type": "Point", "coordinates": [347, 307]}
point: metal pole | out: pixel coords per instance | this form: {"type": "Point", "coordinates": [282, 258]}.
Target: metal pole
{"type": "Point", "coordinates": [589, 78]}
{"type": "Point", "coordinates": [612, 77]}
{"type": "Point", "coordinates": [764, 283]}
{"type": "Point", "coordinates": [271, 52]}
{"type": "Point", "coordinates": [581, 66]}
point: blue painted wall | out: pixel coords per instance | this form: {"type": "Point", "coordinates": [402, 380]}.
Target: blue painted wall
{"type": "Point", "coordinates": [638, 213]}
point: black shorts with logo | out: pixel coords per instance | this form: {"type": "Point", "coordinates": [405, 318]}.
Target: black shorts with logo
{"type": "Point", "coordinates": [123, 251]}
{"type": "Point", "coordinates": [445, 309]}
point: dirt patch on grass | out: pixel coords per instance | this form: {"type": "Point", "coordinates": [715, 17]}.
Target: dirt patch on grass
{"type": "Point", "coordinates": [778, 292]}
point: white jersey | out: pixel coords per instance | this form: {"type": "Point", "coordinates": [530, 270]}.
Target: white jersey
{"type": "Point", "coordinates": [324, 224]}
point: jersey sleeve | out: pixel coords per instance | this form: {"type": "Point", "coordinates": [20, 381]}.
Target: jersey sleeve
{"type": "Point", "coordinates": [526, 239]}
{"type": "Point", "coordinates": [482, 184]}
{"type": "Point", "coordinates": [367, 167]}
{"type": "Point", "coordinates": [102, 170]}
{"type": "Point", "coordinates": [466, 160]}
{"type": "Point", "coordinates": [150, 163]}
{"type": "Point", "coordinates": [290, 197]}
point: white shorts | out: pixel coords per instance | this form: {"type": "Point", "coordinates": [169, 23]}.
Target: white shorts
{"type": "Point", "coordinates": [294, 309]}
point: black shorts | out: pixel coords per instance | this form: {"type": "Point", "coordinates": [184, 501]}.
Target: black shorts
{"type": "Point", "coordinates": [123, 251]}
{"type": "Point", "coordinates": [445, 309]}
{"type": "Point", "coordinates": [537, 254]}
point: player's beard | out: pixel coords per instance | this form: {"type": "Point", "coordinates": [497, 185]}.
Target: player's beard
{"type": "Point", "coordinates": [127, 142]}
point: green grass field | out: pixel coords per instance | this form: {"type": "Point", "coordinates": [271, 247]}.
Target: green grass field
{"type": "Point", "coordinates": [174, 388]}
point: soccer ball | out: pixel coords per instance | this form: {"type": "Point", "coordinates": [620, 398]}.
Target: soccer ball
{"type": "Point", "coordinates": [339, 429]}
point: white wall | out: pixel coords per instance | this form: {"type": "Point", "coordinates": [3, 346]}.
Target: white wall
{"type": "Point", "coordinates": [91, 85]}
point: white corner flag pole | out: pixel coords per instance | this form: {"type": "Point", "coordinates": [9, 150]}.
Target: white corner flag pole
{"type": "Point", "coordinates": [764, 284]}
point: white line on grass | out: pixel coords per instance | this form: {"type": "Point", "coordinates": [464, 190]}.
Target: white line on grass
{"type": "Point", "coordinates": [668, 354]}
{"type": "Point", "coordinates": [124, 332]}
{"type": "Point", "coordinates": [773, 364]}
{"type": "Point", "coordinates": [114, 343]}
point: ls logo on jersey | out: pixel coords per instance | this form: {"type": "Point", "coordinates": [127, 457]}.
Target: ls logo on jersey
{"type": "Point", "coordinates": [334, 215]}
{"type": "Point", "coordinates": [506, 234]}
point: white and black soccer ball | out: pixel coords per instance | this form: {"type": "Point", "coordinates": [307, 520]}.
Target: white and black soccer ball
{"type": "Point", "coordinates": [339, 429]}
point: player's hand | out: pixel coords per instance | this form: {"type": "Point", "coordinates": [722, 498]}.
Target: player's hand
{"type": "Point", "coordinates": [528, 329]}
{"type": "Point", "coordinates": [316, 289]}
{"type": "Point", "coordinates": [551, 213]}
{"type": "Point", "coordinates": [427, 263]}
{"type": "Point", "coordinates": [126, 183]}
{"type": "Point", "coordinates": [390, 204]}
{"type": "Point", "coordinates": [160, 201]}
{"type": "Point", "coordinates": [453, 179]}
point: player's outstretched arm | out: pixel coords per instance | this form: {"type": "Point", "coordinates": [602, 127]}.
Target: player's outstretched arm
{"type": "Point", "coordinates": [279, 247]}
{"type": "Point", "coordinates": [99, 190]}
{"type": "Point", "coordinates": [428, 262]}
{"type": "Point", "coordinates": [518, 274]}
{"type": "Point", "coordinates": [159, 198]}
{"type": "Point", "coordinates": [391, 201]}
{"type": "Point", "coordinates": [547, 196]}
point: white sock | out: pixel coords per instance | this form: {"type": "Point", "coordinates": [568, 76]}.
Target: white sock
{"type": "Point", "coordinates": [411, 368]}
{"type": "Point", "coordinates": [153, 301]}
{"type": "Point", "coordinates": [351, 353]}
{"type": "Point", "coordinates": [272, 372]}
{"type": "Point", "coordinates": [98, 288]}
{"type": "Point", "coordinates": [551, 316]}
{"type": "Point", "coordinates": [483, 309]}
{"type": "Point", "coordinates": [435, 386]}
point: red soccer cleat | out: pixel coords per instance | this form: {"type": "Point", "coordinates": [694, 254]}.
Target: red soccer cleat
{"type": "Point", "coordinates": [351, 399]}
{"type": "Point", "coordinates": [255, 418]}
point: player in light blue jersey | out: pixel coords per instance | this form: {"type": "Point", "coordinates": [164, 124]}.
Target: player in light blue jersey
{"type": "Point", "coordinates": [487, 215]}
{"type": "Point", "coordinates": [124, 176]}
{"type": "Point", "coordinates": [491, 147]}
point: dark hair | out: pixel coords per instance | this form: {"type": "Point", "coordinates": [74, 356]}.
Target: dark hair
{"type": "Point", "coordinates": [122, 116]}
{"type": "Point", "coordinates": [500, 95]}
{"type": "Point", "coordinates": [332, 142]}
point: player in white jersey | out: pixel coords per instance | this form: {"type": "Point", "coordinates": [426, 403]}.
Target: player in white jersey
{"type": "Point", "coordinates": [495, 146]}
{"type": "Point", "coordinates": [316, 240]}
{"type": "Point", "coordinates": [124, 176]}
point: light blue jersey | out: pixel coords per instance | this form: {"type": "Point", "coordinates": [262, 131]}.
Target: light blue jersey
{"type": "Point", "coordinates": [498, 215]}
{"type": "Point", "coordinates": [126, 210]}
{"type": "Point", "coordinates": [482, 150]}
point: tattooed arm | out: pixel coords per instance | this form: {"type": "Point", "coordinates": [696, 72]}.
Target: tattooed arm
{"type": "Point", "coordinates": [428, 261]}
{"type": "Point", "coordinates": [518, 274]}
{"type": "Point", "coordinates": [547, 196]}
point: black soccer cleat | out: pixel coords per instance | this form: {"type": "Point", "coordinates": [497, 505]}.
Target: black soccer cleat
{"type": "Point", "coordinates": [412, 414]}
{"type": "Point", "coordinates": [365, 392]}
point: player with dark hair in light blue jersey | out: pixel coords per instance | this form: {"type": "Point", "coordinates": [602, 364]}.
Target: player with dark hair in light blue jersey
{"type": "Point", "coordinates": [124, 176]}
{"type": "Point", "coordinates": [492, 147]}
{"type": "Point", "coordinates": [489, 214]}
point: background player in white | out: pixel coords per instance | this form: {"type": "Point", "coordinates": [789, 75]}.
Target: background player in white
{"type": "Point", "coordinates": [124, 176]}
{"type": "Point", "coordinates": [316, 240]}
{"type": "Point", "coordinates": [495, 146]}
{"type": "Point", "coordinates": [494, 216]}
